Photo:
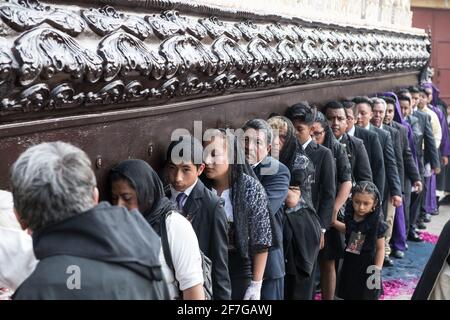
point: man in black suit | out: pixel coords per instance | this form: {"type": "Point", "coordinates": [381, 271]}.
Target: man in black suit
{"type": "Point", "coordinates": [392, 188]}
{"type": "Point", "coordinates": [426, 153]}
{"type": "Point", "coordinates": [364, 114]}
{"type": "Point", "coordinates": [323, 189]}
{"type": "Point", "coordinates": [371, 143]}
{"type": "Point", "coordinates": [357, 154]}
{"type": "Point", "coordinates": [201, 207]}
{"type": "Point", "coordinates": [275, 178]}
{"type": "Point", "coordinates": [409, 172]}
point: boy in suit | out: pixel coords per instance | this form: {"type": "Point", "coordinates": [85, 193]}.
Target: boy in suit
{"type": "Point", "coordinates": [324, 187]}
{"type": "Point", "coordinates": [201, 207]}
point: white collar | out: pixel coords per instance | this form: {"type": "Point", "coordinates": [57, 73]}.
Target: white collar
{"type": "Point", "coordinates": [174, 193]}
{"type": "Point", "coordinates": [351, 132]}
{"type": "Point", "coordinates": [367, 127]}
{"type": "Point", "coordinates": [305, 145]}
{"type": "Point", "coordinates": [257, 164]}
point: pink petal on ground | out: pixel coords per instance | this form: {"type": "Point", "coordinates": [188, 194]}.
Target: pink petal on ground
{"type": "Point", "coordinates": [429, 237]}
{"type": "Point", "coordinates": [395, 288]}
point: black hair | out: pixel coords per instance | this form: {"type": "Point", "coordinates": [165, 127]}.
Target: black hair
{"type": "Point", "coordinates": [367, 187]}
{"type": "Point", "coordinates": [274, 114]}
{"type": "Point", "coordinates": [402, 91]}
{"type": "Point", "coordinates": [334, 105]}
{"type": "Point", "coordinates": [302, 112]}
{"type": "Point", "coordinates": [348, 104]}
{"type": "Point", "coordinates": [389, 100]}
{"type": "Point", "coordinates": [413, 89]}
{"type": "Point", "coordinates": [186, 143]}
{"type": "Point", "coordinates": [363, 99]}
{"type": "Point", "coordinates": [259, 124]}
{"type": "Point", "coordinates": [404, 98]}
{"type": "Point", "coordinates": [422, 90]}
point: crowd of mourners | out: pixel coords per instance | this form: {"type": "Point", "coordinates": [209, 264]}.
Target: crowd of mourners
{"type": "Point", "coordinates": [319, 199]}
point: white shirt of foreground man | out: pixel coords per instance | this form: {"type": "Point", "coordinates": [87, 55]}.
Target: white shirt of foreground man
{"type": "Point", "coordinates": [17, 260]}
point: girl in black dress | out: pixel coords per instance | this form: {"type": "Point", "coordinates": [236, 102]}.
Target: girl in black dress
{"type": "Point", "coordinates": [364, 236]}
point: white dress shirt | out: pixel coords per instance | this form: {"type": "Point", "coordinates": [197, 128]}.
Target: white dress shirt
{"type": "Point", "coordinates": [351, 132]}
{"type": "Point", "coordinates": [228, 206]}
{"type": "Point", "coordinates": [306, 144]}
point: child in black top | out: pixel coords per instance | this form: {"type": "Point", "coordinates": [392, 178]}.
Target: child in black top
{"type": "Point", "coordinates": [364, 236]}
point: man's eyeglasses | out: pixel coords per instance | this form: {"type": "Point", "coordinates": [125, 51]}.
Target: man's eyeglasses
{"type": "Point", "coordinates": [318, 133]}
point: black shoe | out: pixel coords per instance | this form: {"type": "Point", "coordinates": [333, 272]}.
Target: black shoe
{"type": "Point", "coordinates": [388, 262]}
{"type": "Point", "coordinates": [426, 218]}
{"type": "Point", "coordinates": [421, 225]}
{"type": "Point", "coordinates": [414, 237]}
{"type": "Point", "coordinates": [397, 254]}
{"type": "Point", "coordinates": [445, 201]}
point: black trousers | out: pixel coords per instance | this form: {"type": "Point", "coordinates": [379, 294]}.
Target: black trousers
{"type": "Point", "coordinates": [407, 205]}
{"type": "Point", "coordinates": [417, 200]}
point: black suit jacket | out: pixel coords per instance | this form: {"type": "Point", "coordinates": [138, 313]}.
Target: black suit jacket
{"type": "Point", "coordinates": [207, 215]}
{"type": "Point", "coordinates": [426, 146]}
{"type": "Point", "coordinates": [393, 184]}
{"type": "Point", "coordinates": [410, 170]}
{"type": "Point", "coordinates": [276, 183]}
{"type": "Point", "coordinates": [359, 160]}
{"type": "Point", "coordinates": [395, 135]}
{"type": "Point", "coordinates": [375, 153]}
{"type": "Point", "coordinates": [324, 187]}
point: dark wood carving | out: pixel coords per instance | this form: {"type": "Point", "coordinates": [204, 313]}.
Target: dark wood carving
{"type": "Point", "coordinates": [23, 15]}
{"type": "Point", "coordinates": [107, 20]}
{"type": "Point", "coordinates": [53, 57]}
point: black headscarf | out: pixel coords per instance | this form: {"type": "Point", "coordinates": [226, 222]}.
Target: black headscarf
{"type": "Point", "coordinates": [243, 182]}
{"type": "Point", "coordinates": [330, 139]}
{"type": "Point", "coordinates": [148, 186]}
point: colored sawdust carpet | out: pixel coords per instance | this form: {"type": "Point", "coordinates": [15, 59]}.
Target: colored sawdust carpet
{"type": "Point", "coordinates": [400, 281]}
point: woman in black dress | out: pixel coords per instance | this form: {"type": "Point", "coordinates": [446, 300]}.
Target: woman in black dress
{"type": "Point", "coordinates": [228, 174]}
{"type": "Point", "coordinates": [360, 277]}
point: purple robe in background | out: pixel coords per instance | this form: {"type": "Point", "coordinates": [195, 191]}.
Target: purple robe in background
{"type": "Point", "coordinates": [431, 206]}
{"type": "Point", "coordinates": [444, 148]}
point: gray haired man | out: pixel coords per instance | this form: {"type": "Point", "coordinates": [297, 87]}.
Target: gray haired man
{"type": "Point", "coordinates": [85, 250]}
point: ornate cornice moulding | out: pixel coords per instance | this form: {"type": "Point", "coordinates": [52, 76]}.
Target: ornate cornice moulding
{"type": "Point", "coordinates": [85, 55]}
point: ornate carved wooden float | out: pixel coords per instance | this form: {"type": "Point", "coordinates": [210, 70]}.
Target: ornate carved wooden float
{"type": "Point", "coordinates": [116, 77]}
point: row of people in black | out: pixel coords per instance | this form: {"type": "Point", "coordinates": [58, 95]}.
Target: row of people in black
{"type": "Point", "coordinates": [278, 206]}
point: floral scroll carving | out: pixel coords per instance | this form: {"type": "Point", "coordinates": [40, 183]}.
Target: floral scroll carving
{"type": "Point", "coordinates": [55, 57]}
